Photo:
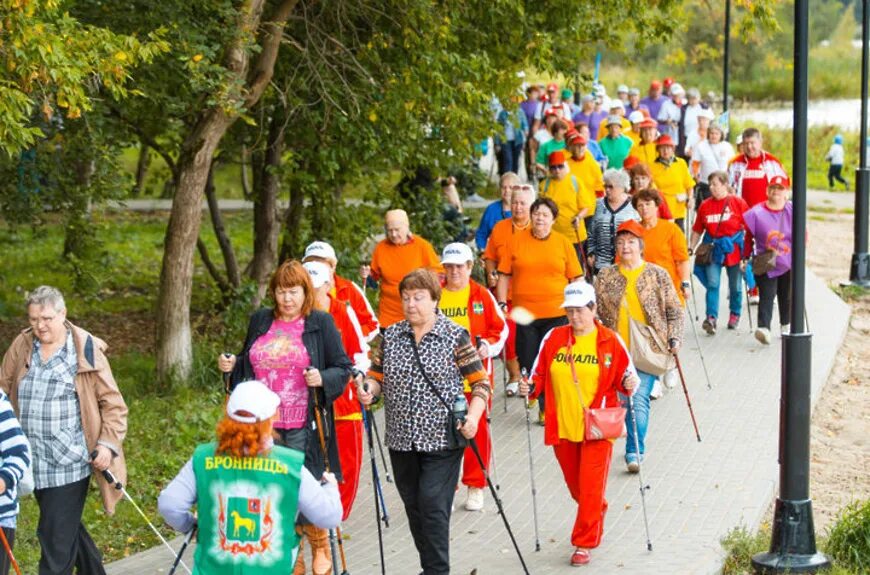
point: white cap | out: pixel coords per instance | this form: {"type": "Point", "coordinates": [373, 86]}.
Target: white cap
{"type": "Point", "coordinates": [254, 398]}
{"type": "Point", "coordinates": [705, 113]}
{"type": "Point", "coordinates": [636, 117]}
{"type": "Point", "coordinates": [621, 88]}
{"type": "Point", "coordinates": [578, 294]}
{"type": "Point", "coordinates": [616, 103]}
{"type": "Point", "coordinates": [456, 253]}
{"type": "Point", "coordinates": [320, 250]}
{"type": "Point", "coordinates": [319, 273]}
{"type": "Point", "coordinates": [677, 89]}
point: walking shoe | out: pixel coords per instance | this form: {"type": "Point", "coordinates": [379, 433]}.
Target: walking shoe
{"type": "Point", "coordinates": [753, 296]}
{"type": "Point", "coordinates": [474, 499]}
{"type": "Point", "coordinates": [541, 418]}
{"type": "Point", "coordinates": [656, 391]}
{"type": "Point", "coordinates": [733, 320]}
{"type": "Point", "coordinates": [632, 466]}
{"type": "Point", "coordinates": [512, 388]}
{"type": "Point", "coordinates": [762, 334]}
{"type": "Point", "coordinates": [579, 557]}
{"type": "Point", "coordinates": [671, 378]}
{"type": "Point", "coordinates": [785, 329]}
{"type": "Point", "coordinates": [709, 325]}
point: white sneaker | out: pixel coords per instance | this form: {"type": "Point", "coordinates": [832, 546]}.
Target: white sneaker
{"type": "Point", "coordinates": [474, 499]}
{"type": "Point", "coordinates": [762, 334]}
{"type": "Point", "coordinates": [512, 388]}
{"type": "Point", "coordinates": [672, 378]}
{"type": "Point", "coordinates": [754, 299]}
{"type": "Point", "coordinates": [785, 329]}
{"type": "Point", "coordinates": [657, 390]}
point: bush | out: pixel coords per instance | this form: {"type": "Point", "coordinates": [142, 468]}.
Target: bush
{"type": "Point", "coordinates": [740, 545]}
{"type": "Point", "coordinates": [848, 540]}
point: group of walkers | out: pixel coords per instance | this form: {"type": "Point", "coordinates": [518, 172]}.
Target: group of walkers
{"type": "Point", "coordinates": [588, 276]}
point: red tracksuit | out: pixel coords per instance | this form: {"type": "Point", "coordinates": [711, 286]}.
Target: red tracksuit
{"type": "Point", "coordinates": [348, 415]}
{"type": "Point", "coordinates": [346, 290]}
{"type": "Point", "coordinates": [486, 321]}
{"type": "Point", "coordinates": [584, 464]}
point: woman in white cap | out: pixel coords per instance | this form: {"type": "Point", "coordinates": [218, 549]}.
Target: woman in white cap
{"type": "Point", "coordinates": [581, 365]}
{"type": "Point", "coordinates": [473, 307]}
{"type": "Point", "coordinates": [248, 492]}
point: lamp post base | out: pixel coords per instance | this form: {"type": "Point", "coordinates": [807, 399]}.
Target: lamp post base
{"type": "Point", "coordinates": [859, 272]}
{"type": "Point", "coordinates": [793, 542]}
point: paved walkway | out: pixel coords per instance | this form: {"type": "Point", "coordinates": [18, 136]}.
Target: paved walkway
{"type": "Point", "coordinates": [698, 491]}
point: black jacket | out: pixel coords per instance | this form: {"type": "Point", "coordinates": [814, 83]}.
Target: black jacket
{"type": "Point", "coordinates": [323, 344]}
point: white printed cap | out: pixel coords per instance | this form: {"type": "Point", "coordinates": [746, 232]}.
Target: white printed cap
{"type": "Point", "coordinates": [255, 400]}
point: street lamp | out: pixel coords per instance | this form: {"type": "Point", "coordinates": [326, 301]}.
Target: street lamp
{"type": "Point", "coordinates": [859, 271]}
{"type": "Point", "coordinates": [793, 541]}
{"type": "Point", "coordinates": [725, 66]}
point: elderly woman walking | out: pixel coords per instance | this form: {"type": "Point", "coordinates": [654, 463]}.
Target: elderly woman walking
{"type": "Point", "coordinates": [610, 212]}
{"type": "Point", "coordinates": [419, 365]}
{"type": "Point", "coordinates": [61, 386]}
{"type": "Point", "coordinates": [581, 365]}
{"type": "Point", "coordinates": [637, 299]}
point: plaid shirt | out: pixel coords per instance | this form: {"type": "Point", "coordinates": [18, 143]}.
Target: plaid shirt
{"type": "Point", "coordinates": [51, 418]}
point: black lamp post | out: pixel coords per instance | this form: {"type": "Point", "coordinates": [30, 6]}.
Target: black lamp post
{"type": "Point", "coordinates": [859, 272]}
{"type": "Point", "coordinates": [793, 541]}
{"type": "Point", "coordinates": [726, 66]}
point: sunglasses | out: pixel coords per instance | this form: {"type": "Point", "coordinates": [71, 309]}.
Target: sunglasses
{"type": "Point", "coordinates": [557, 167]}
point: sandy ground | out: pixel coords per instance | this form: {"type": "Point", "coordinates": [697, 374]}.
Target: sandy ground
{"type": "Point", "coordinates": [841, 421]}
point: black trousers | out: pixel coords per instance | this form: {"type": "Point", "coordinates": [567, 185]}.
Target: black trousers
{"type": "Point", "coordinates": [9, 532]}
{"type": "Point", "coordinates": [427, 484]}
{"type": "Point", "coordinates": [835, 172]}
{"type": "Point", "coordinates": [64, 541]}
{"type": "Point", "coordinates": [768, 289]}
{"type": "Point", "coordinates": [529, 338]}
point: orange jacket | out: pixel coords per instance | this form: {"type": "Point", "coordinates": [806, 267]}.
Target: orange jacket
{"type": "Point", "coordinates": [613, 363]}
{"type": "Point", "coordinates": [346, 290]}
{"type": "Point", "coordinates": [347, 406]}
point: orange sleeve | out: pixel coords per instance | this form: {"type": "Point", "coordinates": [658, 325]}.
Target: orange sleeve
{"type": "Point", "coordinates": [679, 248]}
{"type": "Point", "coordinates": [505, 263]}
{"type": "Point", "coordinates": [430, 258]}
{"type": "Point", "coordinates": [572, 264]}
{"type": "Point", "coordinates": [376, 262]}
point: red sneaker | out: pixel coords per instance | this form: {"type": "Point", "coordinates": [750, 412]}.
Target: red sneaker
{"type": "Point", "coordinates": [579, 557]}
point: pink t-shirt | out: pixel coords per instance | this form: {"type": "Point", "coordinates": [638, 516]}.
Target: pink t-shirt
{"type": "Point", "coordinates": [279, 359]}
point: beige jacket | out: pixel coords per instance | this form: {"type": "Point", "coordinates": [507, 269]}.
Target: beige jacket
{"type": "Point", "coordinates": [103, 411]}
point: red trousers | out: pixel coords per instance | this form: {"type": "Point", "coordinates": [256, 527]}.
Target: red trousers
{"type": "Point", "coordinates": [585, 467]}
{"type": "Point", "coordinates": [510, 345]}
{"type": "Point", "coordinates": [472, 475]}
{"type": "Point", "coordinates": [349, 436]}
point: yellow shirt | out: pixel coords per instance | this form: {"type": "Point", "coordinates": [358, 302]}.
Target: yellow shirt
{"type": "Point", "coordinates": [635, 310]}
{"type": "Point", "coordinates": [672, 181]}
{"type": "Point", "coordinates": [588, 172]}
{"type": "Point", "coordinates": [567, 193]}
{"type": "Point", "coordinates": [646, 153]}
{"type": "Point", "coordinates": [635, 138]}
{"type": "Point", "coordinates": [454, 306]}
{"type": "Point", "coordinates": [568, 409]}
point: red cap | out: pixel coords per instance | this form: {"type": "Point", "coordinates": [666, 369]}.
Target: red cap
{"type": "Point", "coordinates": [552, 87]}
{"type": "Point", "coordinates": [645, 113]}
{"type": "Point", "coordinates": [568, 123]}
{"type": "Point", "coordinates": [648, 123]}
{"type": "Point", "coordinates": [575, 138]}
{"type": "Point", "coordinates": [557, 158]}
{"type": "Point", "coordinates": [655, 85]}
{"type": "Point", "coordinates": [553, 111]}
{"type": "Point", "coordinates": [668, 82]}
{"type": "Point", "coordinates": [664, 140]}
{"type": "Point", "coordinates": [632, 227]}
{"type": "Point", "coordinates": [629, 162]}
{"type": "Point", "coordinates": [781, 181]}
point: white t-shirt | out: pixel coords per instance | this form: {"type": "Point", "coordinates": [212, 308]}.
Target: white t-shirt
{"type": "Point", "coordinates": [711, 157]}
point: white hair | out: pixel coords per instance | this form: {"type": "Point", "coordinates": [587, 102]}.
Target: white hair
{"type": "Point", "coordinates": [617, 178]}
{"type": "Point", "coordinates": [46, 295]}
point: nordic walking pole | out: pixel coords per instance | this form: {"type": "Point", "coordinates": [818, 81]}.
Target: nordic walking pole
{"type": "Point", "coordinates": [110, 478]}
{"type": "Point", "coordinates": [698, 343]}
{"type": "Point", "coordinates": [375, 483]}
{"type": "Point", "coordinates": [460, 410]}
{"type": "Point", "coordinates": [686, 392]}
{"type": "Point", "coordinates": [333, 533]}
{"type": "Point", "coordinates": [488, 362]}
{"type": "Point", "coordinates": [524, 375]}
{"type": "Point", "coordinates": [748, 308]}
{"type": "Point", "coordinates": [381, 448]}
{"type": "Point", "coordinates": [8, 549]}
{"type": "Point", "coordinates": [643, 486]}
{"type": "Point", "coordinates": [504, 381]}
{"type": "Point", "coordinates": [181, 551]}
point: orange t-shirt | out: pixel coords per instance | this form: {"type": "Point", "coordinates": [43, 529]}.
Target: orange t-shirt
{"type": "Point", "coordinates": [665, 246]}
{"type": "Point", "coordinates": [499, 238]}
{"type": "Point", "coordinates": [540, 270]}
{"type": "Point", "coordinates": [391, 263]}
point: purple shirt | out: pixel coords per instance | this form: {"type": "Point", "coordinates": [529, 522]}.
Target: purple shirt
{"type": "Point", "coordinates": [654, 106]}
{"type": "Point", "coordinates": [279, 358]}
{"type": "Point", "coordinates": [528, 107]}
{"type": "Point", "coordinates": [771, 230]}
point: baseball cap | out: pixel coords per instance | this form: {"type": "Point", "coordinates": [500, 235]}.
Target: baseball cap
{"type": "Point", "coordinates": [318, 272]}
{"type": "Point", "coordinates": [320, 250]}
{"type": "Point", "coordinates": [705, 113]}
{"type": "Point", "coordinates": [781, 181]}
{"type": "Point", "coordinates": [621, 88]}
{"type": "Point", "coordinates": [693, 93]}
{"type": "Point", "coordinates": [649, 123]}
{"type": "Point", "coordinates": [614, 119]}
{"type": "Point", "coordinates": [567, 94]}
{"type": "Point", "coordinates": [636, 117]}
{"type": "Point", "coordinates": [664, 140]}
{"type": "Point", "coordinates": [556, 158]}
{"type": "Point", "coordinates": [632, 227]}
{"type": "Point", "coordinates": [456, 253]}
{"type": "Point", "coordinates": [677, 90]}
{"type": "Point", "coordinates": [634, 92]}
{"type": "Point", "coordinates": [575, 138]}
{"type": "Point", "coordinates": [553, 111]}
{"type": "Point", "coordinates": [616, 103]}
{"type": "Point", "coordinates": [587, 98]}
{"type": "Point", "coordinates": [578, 294]}
{"type": "Point", "coordinates": [552, 87]}
{"type": "Point", "coordinates": [655, 85]}
{"type": "Point", "coordinates": [251, 401]}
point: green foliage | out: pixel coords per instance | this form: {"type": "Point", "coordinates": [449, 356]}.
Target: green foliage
{"type": "Point", "coordinates": [848, 540]}
{"type": "Point", "coordinates": [740, 545]}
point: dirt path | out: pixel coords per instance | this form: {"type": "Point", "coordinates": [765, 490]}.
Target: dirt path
{"type": "Point", "coordinates": [839, 444]}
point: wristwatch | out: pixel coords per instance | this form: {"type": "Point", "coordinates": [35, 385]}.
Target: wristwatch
{"type": "Point", "coordinates": [684, 285]}
{"type": "Point", "coordinates": [502, 305]}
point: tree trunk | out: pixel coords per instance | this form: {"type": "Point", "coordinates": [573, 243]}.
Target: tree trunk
{"type": "Point", "coordinates": [267, 186]}
{"type": "Point", "coordinates": [220, 232]}
{"type": "Point", "coordinates": [245, 172]}
{"type": "Point", "coordinates": [292, 217]}
{"type": "Point", "coordinates": [141, 169]}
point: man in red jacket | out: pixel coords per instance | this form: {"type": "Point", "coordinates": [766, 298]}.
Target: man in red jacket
{"type": "Point", "coordinates": [473, 307]}
{"type": "Point", "coordinates": [344, 289]}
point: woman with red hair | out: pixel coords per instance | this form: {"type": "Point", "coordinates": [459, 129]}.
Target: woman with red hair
{"type": "Point", "coordinates": [296, 351]}
{"type": "Point", "coordinates": [248, 492]}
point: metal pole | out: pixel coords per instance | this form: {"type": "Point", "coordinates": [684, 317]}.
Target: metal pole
{"type": "Point", "coordinates": [725, 62]}
{"type": "Point", "coordinates": [793, 541]}
{"type": "Point", "coordinates": [859, 272]}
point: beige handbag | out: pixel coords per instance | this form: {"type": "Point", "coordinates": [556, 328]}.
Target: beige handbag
{"type": "Point", "coordinates": [644, 356]}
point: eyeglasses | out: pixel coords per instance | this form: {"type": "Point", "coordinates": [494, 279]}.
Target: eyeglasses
{"type": "Point", "coordinates": [557, 167]}
{"type": "Point", "coordinates": [45, 320]}
{"type": "Point", "coordinates": [608, 186]}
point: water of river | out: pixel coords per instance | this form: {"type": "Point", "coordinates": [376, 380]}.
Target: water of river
{"type": "Point", "coordinates": [845, 114]}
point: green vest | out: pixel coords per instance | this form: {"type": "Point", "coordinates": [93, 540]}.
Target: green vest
{"type": "Point", "coordinates": [246, 511]}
